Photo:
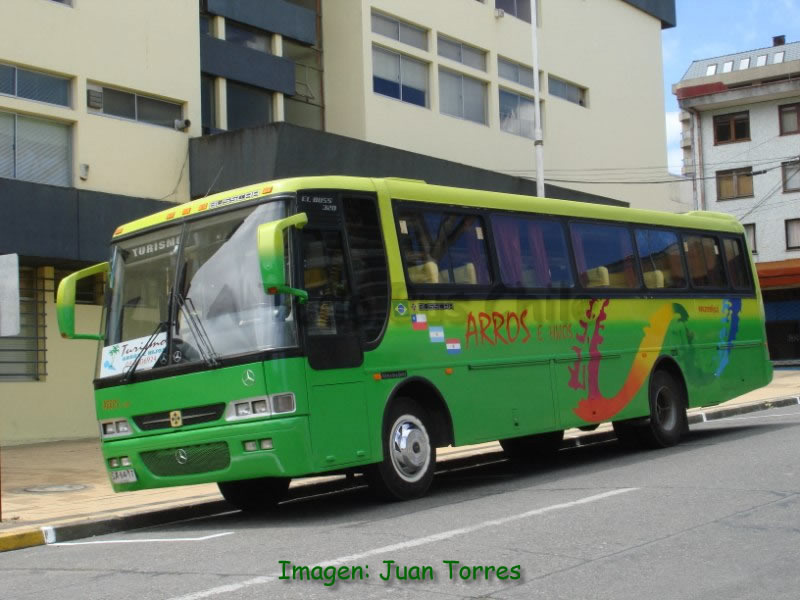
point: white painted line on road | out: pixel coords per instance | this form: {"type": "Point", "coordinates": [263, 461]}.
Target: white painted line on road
{"type": "Point", "coordinates": [430, 539]}
{"type": "Point", "coordinates": [145, 541]}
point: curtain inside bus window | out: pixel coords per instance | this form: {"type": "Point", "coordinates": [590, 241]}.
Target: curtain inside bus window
{"type": "Point", "coordinates": [736, 264]}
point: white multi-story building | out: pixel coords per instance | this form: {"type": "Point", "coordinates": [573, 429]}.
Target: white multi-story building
{"type": "Point", "coordinates": [741, 143]}
{"type": "Point", "coordinates": [453, 79]}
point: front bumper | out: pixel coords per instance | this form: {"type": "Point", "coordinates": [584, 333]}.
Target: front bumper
{"type": "Point", "coordinates": [214, 454]}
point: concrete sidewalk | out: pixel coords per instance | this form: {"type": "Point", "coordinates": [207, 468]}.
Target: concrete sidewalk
{"type": "Point", "coordinates": [60, 490]}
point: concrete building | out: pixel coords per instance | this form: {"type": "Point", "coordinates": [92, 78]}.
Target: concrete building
{"type": "Point", "coordinates": [110, 108]}
{"type": "Point", "coordinates": [741, 143]}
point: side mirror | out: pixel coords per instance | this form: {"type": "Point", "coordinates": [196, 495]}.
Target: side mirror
{"type": "Point", "coordinates": [65, 302]}
{"type": "Point", "coordinates": [271, 258]}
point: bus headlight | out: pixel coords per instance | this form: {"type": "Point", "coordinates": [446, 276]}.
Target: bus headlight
{"type": "Point", "coordinates": [114, 428]}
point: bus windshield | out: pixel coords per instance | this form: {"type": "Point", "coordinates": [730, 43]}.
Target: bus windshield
{"type": "Point", "coordinates": [193, 293]}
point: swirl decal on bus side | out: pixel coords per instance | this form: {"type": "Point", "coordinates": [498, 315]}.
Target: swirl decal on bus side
{"type": "Point", "coordinates": [585, 375]}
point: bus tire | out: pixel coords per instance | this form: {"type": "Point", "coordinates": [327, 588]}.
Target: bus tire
{"type": "Point", "coordinates": [409, 454]}
{"type": "Point", "coordinates": [532, 448]}
{"type": "Point", "coordinates": [667, 420]}
{"type": "Point", "coordinates": [255, 495]}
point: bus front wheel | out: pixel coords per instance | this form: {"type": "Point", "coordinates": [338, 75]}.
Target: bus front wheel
{"type": "Point", "coordinates": [409, 454]}
{"type": "Point", "coordinates": [255, 495]}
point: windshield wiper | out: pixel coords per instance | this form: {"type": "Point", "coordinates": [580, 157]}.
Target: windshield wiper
{"type": "Point", "coordinates": [159, 327]}
{"type": "Point", "coordinates": [204, 346]}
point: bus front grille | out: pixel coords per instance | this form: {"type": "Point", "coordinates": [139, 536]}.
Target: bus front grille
{"type": "Point", "coordinates": [190, 416]}
{"type": "Point", "coordinates": [189, 460]}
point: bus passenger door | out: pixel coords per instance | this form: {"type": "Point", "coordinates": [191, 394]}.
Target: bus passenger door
{"type": "Point", "coordinates": [337, 404]}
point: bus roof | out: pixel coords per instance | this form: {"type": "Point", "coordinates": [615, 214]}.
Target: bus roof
{"type": "Point", "coordinates": [411, 189]}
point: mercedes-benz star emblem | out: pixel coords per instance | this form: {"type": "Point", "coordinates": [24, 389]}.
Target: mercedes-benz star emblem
{"type": "Point", "coordinates": [248, 377]}
{"type": "Point", "coordinates": [181, 456]}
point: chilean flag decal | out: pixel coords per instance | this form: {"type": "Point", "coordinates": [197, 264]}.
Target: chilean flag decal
{"type": "Point", "coordinates": [419, 322]}
{"type": "Point", "coordinates": [453, 346]}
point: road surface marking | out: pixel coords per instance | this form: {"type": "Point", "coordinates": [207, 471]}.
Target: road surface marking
{"type": "Point", "coordinates": [145, 541]}
{"type": "Point", "coordinates": [430, 539]}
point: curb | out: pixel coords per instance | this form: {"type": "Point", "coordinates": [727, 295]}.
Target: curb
{"type": "Point", "coordinates": [39, 536]}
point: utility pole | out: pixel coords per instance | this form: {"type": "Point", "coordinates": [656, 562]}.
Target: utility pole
{"type": "Point", "coordinates": [538, 141]}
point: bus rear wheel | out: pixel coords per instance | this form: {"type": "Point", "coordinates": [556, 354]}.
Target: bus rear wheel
{"type": "Point", "coordinates": [533, 448]}
{"type": "Point", "coordinates": [667, 420]}
{"type": "Point", "coordinates": [255, 495]}
{"type": "Point", "coordinates": [409, 454]}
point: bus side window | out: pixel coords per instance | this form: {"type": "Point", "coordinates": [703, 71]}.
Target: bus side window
{"type": "Point", "coordinates": [705, 262]}
{"type": "Point", "coordinates": [444, 248]}
{"type": "Point", "coordinates": [604, 255]}
{"type": "Point", "coordinates": [660, 259]}
{"type": "Point", "coordinates": [532, 253]}
{"type": "Point", "coordinates": [737, 268]}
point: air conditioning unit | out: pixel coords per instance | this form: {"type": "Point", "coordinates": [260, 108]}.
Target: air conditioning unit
{"type": "Point", "coordinates": [499, 13]}
{"type": "Point", "coordinates": [94, 98]}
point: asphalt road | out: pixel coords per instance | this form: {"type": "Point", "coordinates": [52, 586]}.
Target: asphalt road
{"type": "Point", "coordinates": [716, 517]}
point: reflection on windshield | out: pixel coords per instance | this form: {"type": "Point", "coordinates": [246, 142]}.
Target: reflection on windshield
{"type": "Point", "coordinates": [204, 285]}
{"type": "Point", "coordinates": [227, 311]}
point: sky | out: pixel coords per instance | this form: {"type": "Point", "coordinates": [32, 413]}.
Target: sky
{"type": "Point", "coordinates": [709, 28]}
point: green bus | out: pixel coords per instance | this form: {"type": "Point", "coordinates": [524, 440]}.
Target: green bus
{"type": "Point", "coordinates": [323, 325]}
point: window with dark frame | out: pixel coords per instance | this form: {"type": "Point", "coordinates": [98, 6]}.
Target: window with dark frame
{"type": "Point", "coordinates": [735, 183]}
{"type": "Point", "coordinates": [791, 176]}
{"type": "Point", "coordinates": [732, 128]}
{"type": "Point", "coordinates": [704, 260]}
{"type": "Point", "coordinates": [737, 267]}
{"type": "Point", "coordinates": [660, 259]}
{"type": "Point", "coordinates": [604, 255]}
{"type": "Point", "coordinates": [23, 357]}
{"type": "Point", "coordinates": [439, 247]}
{"type": "Point", "coordinates": [750, 233]}
{"type": "Point", "coordinates": [793, 234]}
{"type": "Point", "coordinates": [789, 117]}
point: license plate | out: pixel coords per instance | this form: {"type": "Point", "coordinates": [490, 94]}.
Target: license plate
{"type": "Point", "coordinates": [123, 476]}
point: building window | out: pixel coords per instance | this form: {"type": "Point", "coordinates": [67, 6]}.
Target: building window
{"type": "Point", "coordinates": [467, 55]}
{"type": "Point", "coordinates": [761, 60]}
{"type": "Point", "coordinates": [750, 233]}
{"type": "Point", "coordinates": [515, 72]}
{"type": "Point", "coordinates": [516, 114]}
{"type": "Point", "coordinates": [793, 234]}
{"type": "Point", "coordinates": [399, 76]}
{"type": "Point", "coordinates": [567, 91]}
{"type": "Point", "coordinates": [129, 105]}
{"type": "Point", "coordinates": [791, 176]}
{"type": "Point", "coordinates": [777, 58]}
{"type": "Point", "coordinates": [462, 96]}
{"type": "Point", "coordinates": [208, 103]}
{"type": "Point", "coordinates": [205, 25]}
{"type": "Point", "coordinates": [519, 8]}
{"type": "Point", "coordinates": [789, 118]}
{"type": "Point", "coordinates": [23, 357]}
{"type": "Point", "coordinates": [744, 64]}
{"type": "Point", "coordinates": [711, 70]}
{"type": "Point", "coordinates": [400, 31]}
{"type": "Point", "coordinates": [727, 66]}
{"type": "Point", "coordinates": [34, 85]}
{"type": "Point", "coordinates": [248, 106]}
{"type": "Point", "coordinates": [37, 150]}
{"type": "Point", "coordinates": [735, 183]}
{"type": "Point", "coordinates": [732, 128]}
{"type": "Point", "coordinates": [249, 37]}
{"type": "Point", "coordinates": [305, 107]}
